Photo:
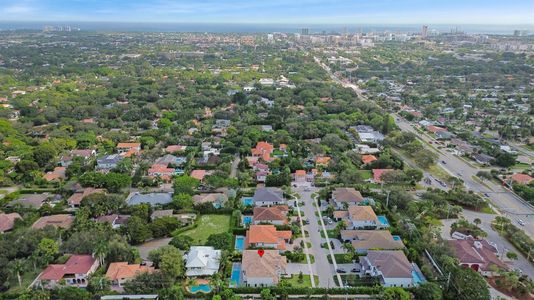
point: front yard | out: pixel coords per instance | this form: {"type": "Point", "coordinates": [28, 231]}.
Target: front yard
{"type": "Point", "coordinates": [208, 225]}
{"type": "Point", "coordinates": [306, 282]}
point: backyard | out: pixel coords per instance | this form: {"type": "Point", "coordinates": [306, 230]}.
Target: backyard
{"type": "Point", "coordinates": [208, 225]}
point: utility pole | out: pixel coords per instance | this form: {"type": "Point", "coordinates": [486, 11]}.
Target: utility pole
{"type": "Point", "coordinates": [387, 199]}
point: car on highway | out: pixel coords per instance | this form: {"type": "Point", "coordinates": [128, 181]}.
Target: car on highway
{"type": "Point", "coordinates": [341, 271]}
{"type": "Point", "coordinates": [521, 222]}
{"type": "Point", "coordinates": [443, 162]}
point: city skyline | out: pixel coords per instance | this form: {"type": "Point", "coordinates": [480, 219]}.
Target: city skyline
{"type": "Point", "coordinates": [515, 12]}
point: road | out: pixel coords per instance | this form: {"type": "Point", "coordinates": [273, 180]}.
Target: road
{"type": "Point", "coordinates": [506, 202]}
{"type": "Point", "coordinates": [306, 250]}
{"type": "Point", "coordinates": [235, 164]}
{"type": "Point", "coordinates": [322, 268]}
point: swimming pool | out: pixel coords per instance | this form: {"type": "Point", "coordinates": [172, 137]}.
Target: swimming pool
{"type": "Point", "coordinates": [239, 243]}
{"type": "Point", "coordinates": [205, 288]}
{"type": "Point", "coordinates": [247, 201]}
{"type": "Point", "coordinates": [236, 275]}
{"type": "Point", "coordinates": [396, 238]}
{"type": "Point", "coordinates": [383, 220]}
{"type": "Point", "coordinates": [247, 220]}
{"type": "Point", "coordinates": [417, 275]}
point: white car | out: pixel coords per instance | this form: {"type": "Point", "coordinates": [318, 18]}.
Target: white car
{"type": "Point", "coordinates": [521, 222]}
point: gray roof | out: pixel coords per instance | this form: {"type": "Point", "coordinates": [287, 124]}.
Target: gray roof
{"type": "Point", "coordinates": [268, 194]}
{"type": "Point", "coordinates": [31, 200]}
{"type": "Point", "coordinates": [110, 159]}
{"type": "Point", "coordinates": [152, 198]}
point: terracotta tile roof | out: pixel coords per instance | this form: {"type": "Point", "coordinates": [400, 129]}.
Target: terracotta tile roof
{"type": "Point", "coordinates": [271, 264]}
{"type": "Point", "coordinates": [341, 214]}
{"type": "Point", "coordinates": [521, 178]}
{"type": "Point", "coordinates": [377, 174]}
{"type": "Point", "coordinates": [300, 173]}
{"type": "Point", "coordinates": [122, 270]}
{"type": "Point", "coordinates": [273, 213]}
{"type": "Point", "coordinates": [63, 221]}
{"type": "Point", "coordinates": [435, 129]}
{"type": "Point", "coordinates": [77, 264]}
{"type": "Point", "coordinates": [322, 160]}
{"type": "Point", "coordinates": [368, 158]}
{"type": "Point", "coordinates": [174, 148]}
{"type": "Point", "coordinates": [7, 221]}
{"type": "Point", "coordinates": [362, 213]}
{"type": "Point", "coordinates": [58, 173]}
{"type": "Point", "coordinates": [128, 145]}
{"type": "Point", "coordinates": [198, 174]}
{"type": "Point", "coordinates": [267, 234]}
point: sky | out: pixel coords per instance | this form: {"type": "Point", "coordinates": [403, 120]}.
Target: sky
{"type": "Point", "coordinates": [498, 12]}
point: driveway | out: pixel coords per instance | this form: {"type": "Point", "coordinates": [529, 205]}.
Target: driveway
{"type": "Point", "coordinates": [145, 248]}
{"type": "Point", "coordinates": [294, 268]}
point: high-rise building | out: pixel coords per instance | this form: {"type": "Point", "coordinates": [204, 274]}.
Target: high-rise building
{"type": "Point", "coordinates": [424, 31]}
{"type": "Point", "coordinates": [304, 31]}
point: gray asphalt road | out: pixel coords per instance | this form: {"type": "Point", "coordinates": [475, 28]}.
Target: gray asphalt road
{"type": "Point", "coordinates": [322, 267]}
{"type": "Point", "coordinates": [505, 201]}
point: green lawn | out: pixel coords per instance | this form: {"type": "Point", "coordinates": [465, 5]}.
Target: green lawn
{"type": "Point", "coordinates": [306, 282]}
{"type": "Point", "coordinates": [343, 258]}
{"type": "Point", "coordinates": [208, 225]}
{"type": "Point", "coordinates": [355, 280]}
{"type": "Point", "coordinates": [27, 279]}
{"type": "Point", "coordinates": [366, 174]}
{"type": "Point", "coordinates": [521, 166]}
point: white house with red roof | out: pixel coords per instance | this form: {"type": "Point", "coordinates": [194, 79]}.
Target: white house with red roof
{"type": "Point", "coordinates": [74, 272]}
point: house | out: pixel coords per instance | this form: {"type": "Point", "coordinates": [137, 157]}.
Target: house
{"type": "Point", "coordinates": [75, 200]}
{"type": "Point", "coordinates": [371, 137]}
{"type": "Point", "coordinates": [368, 158]}
{"type": "Point", "coordinates": [128, 149]}
{"type": "Point", "coordinates": [217, 199]}
{"type": "Point", "coordinates": [266, 236]}
{"type": "Point", "coordinates": [161, 213]}
{"type": "Point", "coordinates": [322, 161]}
{"type": "Point", "coordinates": [361, 217]}
{"type": "Point", "coordinates": [116, 221]}
{"type": "Point", "coordinates": [364, 240]}
{"type": "Point", "coordinates": [266, 81]}
{"type": "Point", "coordinates": [434, 129]}
{"type": "Point", "coordinates": [83, 153]}
{"type": "Point", "coordinates": [175, 148]}
{"type": "Point", "coordinates": [366, 149]}
{"type": "Point", "coordinates": [521, 178]}
{"type": "Point", "coordinates": [202, 261]}
{"type": "Point", "coordinates": [59, 173]}
{"type": "Point", "coordinates": [276, 215]}
{"type": "Point", "coordinates": [74, 272]}
{"type": "Point", "coordinates": [268, 196]}
{"type": "Point", "coordinates": [161, 171]}
{"type": "Point", "coordinates": [108, 162]}
{"type": "Point", "coordinates": [391, 266]}
{"type": "Point", "coordinates": [7, 221]}
{"type": "Point", "coordinates": [346, 196]}
{"type": "Point", "coordinates": [261, 176]}
{"type": "Point", "coordinates": [63, 221]}
{"type": "Point", "coordinates": [263, 150]}
{"type": "Point", "coordinates": [186, 218]}
{"type": "Point", "coordinates": [198, 174]}
{"type": "Point", "coordinates": [377, 174]}
{"type": "Point", "coordinates": [34, 201]}
{"type": "Point", "coordinates": [120, 272]}
{"type": "Point", "coordinates": [151, 198]}
{"type": "Point", "coordinates": [170, 159]}
{"type": "Point", "coordinates": [299, 176]}
{"type": "Point", "coordinates": [482, 158]}
{"type": "Point", "coordinates": [443, 135]}
{"type": "Point", "coordinates": [262, 271]}
{"type": "Point", "coordinates": [478, 255]}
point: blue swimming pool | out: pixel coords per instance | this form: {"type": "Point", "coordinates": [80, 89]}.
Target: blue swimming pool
{"type": "Point", "coordinates": [247, 201]}
{"type": "Point", "coordinates": [383, 220]}
{"type": "Point", "coordinates": [396, 238]}
{"type": "Point", "coordinates": [247, 220]}
{"type": "Point", "coordinates": [240, 243]}
{"type": "Point", "coordinates": [236, 275]}
{"type": "Point", "coordinates": [417, 275]}
{"type": "Point", "coordinates": [205, 288]}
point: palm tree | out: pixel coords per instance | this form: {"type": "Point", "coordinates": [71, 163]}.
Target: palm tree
{"type": "Point", "coordinates": [18, 268]}
{"type": "Point", "coordinates": [477, 221]}
{"type": "Point", "coordinates": [101, 252]}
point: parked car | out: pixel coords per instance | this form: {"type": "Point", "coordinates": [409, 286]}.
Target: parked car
{"type": "Point", "coordinates": [341, 271]}
{"type": "Point", "coordinates": [355, 270]}
{"type": "Point", "coordinates": [521, 222]}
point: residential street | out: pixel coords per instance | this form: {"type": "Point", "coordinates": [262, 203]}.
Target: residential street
{"type": "Point", "coordinates": [321, 267]}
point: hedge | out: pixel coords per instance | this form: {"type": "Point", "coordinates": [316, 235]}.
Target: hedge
{"type": "Point", "coordinates": [362, 290]}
